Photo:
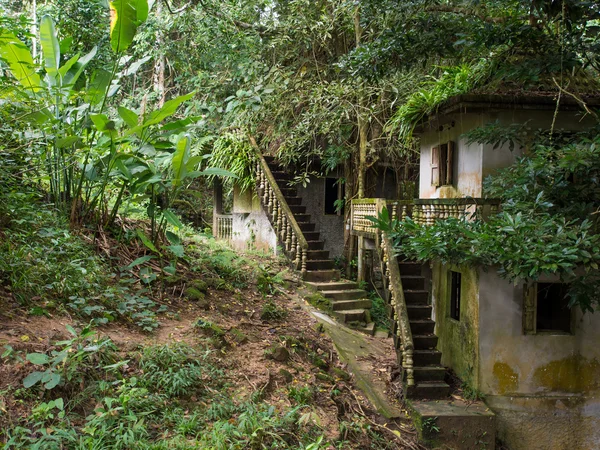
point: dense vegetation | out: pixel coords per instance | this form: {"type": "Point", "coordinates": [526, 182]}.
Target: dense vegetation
{"type": "Point", "coordinates": [117, 115]}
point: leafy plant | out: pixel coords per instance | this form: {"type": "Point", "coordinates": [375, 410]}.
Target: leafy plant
{"type": "Point", "coordinates": [81, 354]}
{"type": "Point", "coordinates": [177, 370]}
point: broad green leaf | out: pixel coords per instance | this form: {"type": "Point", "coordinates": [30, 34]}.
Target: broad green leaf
{"type": "Point", "coordinates": [37, 358]}
{"type": "Point", "coordinates": [19, 59]}
{"type": "Point", "coordinates": [71, 330]}
{"type": "Point", "coordinates": [134, 67]}
{"type": "Point", "coordinates": [59, 403]}
{"type": "Point", "coordinates": [52, 381]}
{"type": "Point", "coordinates": [125, 17]}
{"type": "Point", "coordinates": [50, 45]}
{"type": "Point", "coordinates": [71, 75]}
{"type": "Point", "coordinates": [32, 378]}
{"type": "Point", "coordinates": [172, 218]}
{"type": "Point", "coordinates": [215, 171]}
{"type": "Point", "coordinates": [67, 141]}
{"type": "Point", "coordinates": [177, 250]}
{"type": "Point", "coordinates": [65, 45]}
{"type": "Point", "coordinates": [180, 159]}
{"type": "Point", "coordinates": [173, 238]}
{"type": "Point", "coordinates": [130, 117]}
{"type": "Point", "coordinates": [168, 109]}
{"type": "Point", "coordinates": [140, 260]}
{"type": "Point", "coordinates": [96, 89]}
{"type": "Point", "coordinates": [170, 270]}
{"type": "Point", "coordinates": [147, 242]}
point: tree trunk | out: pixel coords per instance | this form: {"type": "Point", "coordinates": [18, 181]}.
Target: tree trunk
{"type": "Point", "coordinates": [363, 125]}
{"type": "Point", "coordinates": [159, 64]}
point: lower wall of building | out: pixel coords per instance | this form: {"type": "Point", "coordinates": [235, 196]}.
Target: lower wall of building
{"type": "Point", "coordinates": [458, 339]}
{"type": "Point", "coordinates": [331, 226]}
{"type": "Point", "coordinates": [545, 388]}
{"type": "Point", "coordinates": [251, 227]}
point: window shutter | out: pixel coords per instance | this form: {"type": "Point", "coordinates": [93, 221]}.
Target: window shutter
{"type": "Point", "coordinates": [435, 166]}
{"type": "Point", "coordinates": [529, 308]}
{"type": "Point", "coordinates": [450, 164]}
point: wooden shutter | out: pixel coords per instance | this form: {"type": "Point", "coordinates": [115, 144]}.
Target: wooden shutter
{"type": "Point", "coordinates": [530, 309]}
{"type": "Point", "coordinates": [435, 166]}
{"type": "Point", "coordinates": [450, 164]}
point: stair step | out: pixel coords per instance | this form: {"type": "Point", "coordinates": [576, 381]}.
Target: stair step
{"type": "Point", "coordinates": [343, 305]}
{"type": "Point", "coordinates": [297, 209]}
{"type": "Point", "coordinates": [426, 357]}
{"type": "Point", "coordinates": [322, 275]}
{"type": "Point", "coordinates": [302, 217]}
{"type": "Point", "coordinates": [410, 268]}
{"type": "Point", "coordinates": [351, 315]}
{"type": "Point", "coordinates": [416, 297]}
{"type": "Point", "coordinates": [428, 390]}
{"type": "Point", "coordinates": [293, 200]}
{"type": "Point", "coordinates": [368, 329]}
{"type": "Point", "coordinates": [306, 226]}
{"type": "Point", "coordinates": [311, 235]}
{"type": "Point", "coordinates": [413, 282]}
{"type": "Point", "coordinates": [417, 312]}
{"type": "Point", "coordinates": [424, 341]}
{"type": "Point", "coordinates": [334, 286]}
{"type": "Point", "coordinates": [320, 264]}
{"type": "Point", "coordinates": [317, 254]}
{"type": "Point", "coordinates": [422, 326]}
{"type": "Point", "coordinates": [281, 175]}
{"type": "Point", "coordinates": [288, 191]}
{"type": "Point", "coordinates": [314, 245]}
{"type": "Point", "coordinates": [429, 373]}
{"type": "Point", "coordinates": [345, 294]}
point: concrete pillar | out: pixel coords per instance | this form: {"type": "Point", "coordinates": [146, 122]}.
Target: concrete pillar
{"type": "Point", "coordinates": [361, 259]}
{"type": "Point", "coordinates": [217, 202]}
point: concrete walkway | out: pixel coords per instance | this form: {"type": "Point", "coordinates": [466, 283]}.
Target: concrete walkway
{"type": "Point", "coordinates": [359, 352]}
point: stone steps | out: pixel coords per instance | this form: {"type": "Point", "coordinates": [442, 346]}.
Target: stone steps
{"type": "Point", "coordinates": [350, 305]}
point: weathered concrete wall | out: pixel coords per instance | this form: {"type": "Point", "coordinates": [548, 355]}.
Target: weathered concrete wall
{"type": "Point", "coordinates": [468, 159]}
{"type": "Point", "coordinates": [545, 387]}
{"type": "Point", "coordinates": [474, 162]}
{"type": "Point", "coordinates": [458, 339]}
{"type": "Point", "coordinates": [331, 226]}
{"type": "Point", "coordinates": [251, 227]}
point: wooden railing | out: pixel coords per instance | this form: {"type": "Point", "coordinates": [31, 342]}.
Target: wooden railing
{"type": "Point", "coordinates": [287, 229]}
{"type": "Point", "coordinates": [224, 227]}
{"type": "Point", "coordinates": [397, 305]}
{"type": "Point", "coordinates": [422, 211]}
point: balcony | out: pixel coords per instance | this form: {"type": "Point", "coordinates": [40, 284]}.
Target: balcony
{"type": "Point", "coordinates": [422, 211]}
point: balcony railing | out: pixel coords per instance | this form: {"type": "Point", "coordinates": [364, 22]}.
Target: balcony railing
{"type": "Point", "coordinates": [422, 211]}
{"type": "Point", "coordinates": [224, 227]}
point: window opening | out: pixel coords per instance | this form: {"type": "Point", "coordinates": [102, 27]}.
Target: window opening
{"type": "Point", "coordinates": [553, 312]}
{"type": "Point", "coordinates": [332, 194]}
{"type": "Point", "coordinates": [455, 286]}
{"type": "Point", "coordinates": [442, 164]}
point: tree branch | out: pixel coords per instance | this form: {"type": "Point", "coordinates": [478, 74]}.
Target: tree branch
{"type": "Point", "coordinates": [261, 30]}
{"type": "Point", "coordinates": [465, 12]}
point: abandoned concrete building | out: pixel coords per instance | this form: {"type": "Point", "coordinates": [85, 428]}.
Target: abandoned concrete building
{"type": "Point", "coordinates": [535, 361]}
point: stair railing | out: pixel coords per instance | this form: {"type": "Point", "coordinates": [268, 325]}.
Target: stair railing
{"type": "Point", "coordinates": [396, 300]}
{"type": "Point", "coordinates": [273, 201]}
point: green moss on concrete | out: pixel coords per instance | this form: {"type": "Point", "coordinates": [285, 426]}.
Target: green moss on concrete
{"type": "Point", "coordinates": [574, 374]}
{"type": "Point", "coordinates": [506, 377]}
{"type": "Point", "coordinates": [458, 339]}
{"type": "Point", "coordinates": [318, 301]}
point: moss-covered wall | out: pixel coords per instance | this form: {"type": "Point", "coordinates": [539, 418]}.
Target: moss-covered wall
{"type": "Point", "coordinates": [551, 382]}
{"type": "Point", "coordinates": [251, 227]}
{"type": "Point", "coordinates": [458, 339]}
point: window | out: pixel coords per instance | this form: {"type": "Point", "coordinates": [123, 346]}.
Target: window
{"type": "Point", "coordinates": [442, 164]}
{"type": "Point", "coordinates": [454, 284]}
{"type": "Point", "coordinates": [332, 194]}
{"type": "Point", "coordinates": [546, 308]}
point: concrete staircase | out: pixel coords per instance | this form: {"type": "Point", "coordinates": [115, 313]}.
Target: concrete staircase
{"type": "Point", "coordinates": [350, 305]}
{"type": "Point", "coordinates": [428, 372]}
